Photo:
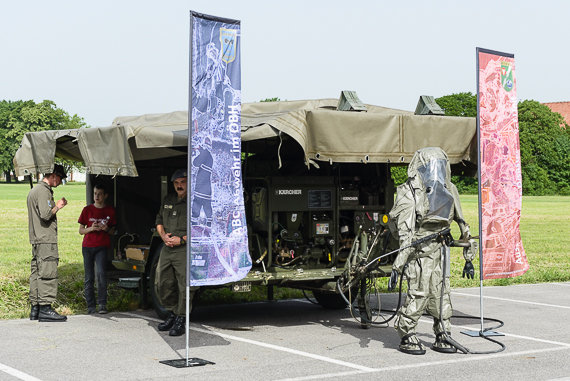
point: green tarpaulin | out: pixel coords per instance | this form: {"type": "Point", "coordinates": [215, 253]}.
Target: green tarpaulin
{"type": "Point", "coordinates": [380, 135]}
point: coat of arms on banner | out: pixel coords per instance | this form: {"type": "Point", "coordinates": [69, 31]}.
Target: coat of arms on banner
{"type": "Point", "coordinates": [228, 40]}
{"type": "Point", "coordinates": [506, 76]}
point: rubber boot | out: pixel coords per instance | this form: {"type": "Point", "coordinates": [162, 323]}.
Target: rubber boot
{"type": "Point", "coordinates": [441, 345]}
{"type": "Point", "coordinates": [411, 345]}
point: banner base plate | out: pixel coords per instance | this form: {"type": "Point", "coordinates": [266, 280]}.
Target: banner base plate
{"type": "Point", "coordinates": [182, 363]}
{"type": "Point", "coordinates": [485, 333]}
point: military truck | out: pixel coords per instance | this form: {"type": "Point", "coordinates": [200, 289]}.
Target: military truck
{"type": "Point", "coordinates": [316, 183]}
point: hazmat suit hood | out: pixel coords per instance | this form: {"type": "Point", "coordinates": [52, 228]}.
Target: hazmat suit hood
{"type": "Point", "coordinates": [430, 172]}
{"type": "Point", "coordinates": [423, 156]}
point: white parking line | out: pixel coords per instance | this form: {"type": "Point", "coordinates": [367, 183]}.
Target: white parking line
{"type": "Point", "coordinates": [285, 349]}
{"type": "Point", "coordinates": [425, 364]}
{"type": "Point", "coordinates": [511, 300]}
{"type": "Point", "coordinates": [270, 346]}
{"type": "Point", "coordinates": [359, 369]}
{"type": "Point", "coordinates": [16, 373]}
{"type": "Point", "coordinates": [427, 321]}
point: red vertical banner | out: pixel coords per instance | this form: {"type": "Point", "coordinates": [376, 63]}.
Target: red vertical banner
{"type": "Point", "coordinates": [500, 182]}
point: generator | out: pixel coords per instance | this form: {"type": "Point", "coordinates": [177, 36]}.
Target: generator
{"type": "Point", "coordinates": [310, 222]}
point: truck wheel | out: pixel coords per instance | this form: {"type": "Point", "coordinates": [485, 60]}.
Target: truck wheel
{"type": "Point", "coordinates": [158, 308]}
{"type": "Point", "coordinates": [330, 300]}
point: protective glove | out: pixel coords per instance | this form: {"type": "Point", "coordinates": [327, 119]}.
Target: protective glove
{"type": "Point", "coordinates": [472, 251]}
{"type": "Point", "coordinates": [468, 270]}
{"type": "Point", "coordinates": [393, 280]}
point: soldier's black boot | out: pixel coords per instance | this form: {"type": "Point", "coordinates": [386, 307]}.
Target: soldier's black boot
{"type": "Point", "coordinates": [167, 324]}
{"type": "Point", "coordinates": [49, 314]}
{"type": "Point", "coordinates": [35, 311]}
{"type": "Point", "coordinates": [178, 327]}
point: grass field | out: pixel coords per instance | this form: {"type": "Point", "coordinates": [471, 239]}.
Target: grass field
{"type": "Point", "coordinates": [543, 228]}
{"type": "Point", "coordinates": [16, 254]}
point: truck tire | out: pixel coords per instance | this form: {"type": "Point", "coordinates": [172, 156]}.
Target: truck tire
{"type": "Point", "coordinates": [330, 300]}
{"type": "Point", "coordinates": [156, 304]}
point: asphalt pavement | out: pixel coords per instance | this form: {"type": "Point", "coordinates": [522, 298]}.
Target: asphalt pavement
{"type": "Point", "coordinates": [297, 340]}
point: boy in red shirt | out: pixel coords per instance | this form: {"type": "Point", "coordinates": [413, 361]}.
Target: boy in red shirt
{"type": "Point", "coordinates": [97, 223]}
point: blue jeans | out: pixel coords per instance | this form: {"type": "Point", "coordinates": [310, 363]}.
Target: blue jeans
{"type": "Point", "coordinates": [95, 256]}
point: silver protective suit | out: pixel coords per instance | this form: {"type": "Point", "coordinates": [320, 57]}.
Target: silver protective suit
{"type": "Point", "coordinates": [427, 203]}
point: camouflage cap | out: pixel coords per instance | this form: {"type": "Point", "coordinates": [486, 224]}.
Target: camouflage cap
{"type": "Point", "coordinates": [178, 174]}
{"type": "Point", "coordinates": [59, 170]}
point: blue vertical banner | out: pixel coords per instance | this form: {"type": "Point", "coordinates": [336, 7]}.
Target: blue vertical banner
{"type": "Point", "coordinates": [218, 231]}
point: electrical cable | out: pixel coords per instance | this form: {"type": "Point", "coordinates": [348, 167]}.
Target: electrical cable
{"type": "Point", "coordinates": [373, 322]}
{"type": "Point", "coordinates": [447, 337]}
{"type": "Point", "coordinates": [451, 341]}
{"type": "Point", "coordinates": [370, 266]}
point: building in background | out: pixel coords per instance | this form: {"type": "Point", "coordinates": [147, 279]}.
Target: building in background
{"type": "Point", "coordinates": [563, 108]}
{"type": "Point", "coordinates": [73, 175]}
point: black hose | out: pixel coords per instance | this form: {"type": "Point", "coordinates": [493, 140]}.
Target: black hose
{"type": "Point", "coordinates": [481, 334]}
{"type": "Point", "coordinates": [385, 321]}
{"type": "Point", "coordinates": [461, 348]}
{"type": "Point", "coordinates": [444, 331]}
{"type": "Point", "coordinates": [453, 342]}
{"type": "Point", "coordinates": [309, 299]}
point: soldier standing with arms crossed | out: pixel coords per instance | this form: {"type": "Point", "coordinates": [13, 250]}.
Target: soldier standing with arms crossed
{"type": "Point", "coordinates": [171, 269]}
{"type": "Point", "coordinates": [42, 224]}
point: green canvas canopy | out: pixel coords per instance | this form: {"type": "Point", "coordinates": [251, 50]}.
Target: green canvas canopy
{"type": "Point", "coordinates": [379, 135]}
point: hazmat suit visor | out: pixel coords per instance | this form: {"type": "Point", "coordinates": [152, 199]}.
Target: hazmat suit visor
{"type": "Point", "coordinates": [433, 175]}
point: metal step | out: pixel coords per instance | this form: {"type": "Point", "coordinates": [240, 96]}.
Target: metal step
{"type": "Point", "coordinates": [132, 282]}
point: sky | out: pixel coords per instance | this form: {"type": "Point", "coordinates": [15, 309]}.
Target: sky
{"type": "Point", "coordinates": [108, 58]}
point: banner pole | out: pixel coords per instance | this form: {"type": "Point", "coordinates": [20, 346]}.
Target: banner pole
{"type": "Point", "coordinates": [476, 333]}
{"type": "Point", "coordinates": [187, 324]}
{"type": "Point", "coordinates": [214, 135]}
{"type": "Point", "coordinates": [481, 303]}
{"type": "Point", "coordinates": [189, 194]}
{"type": "Point", "coordinates": [187, 361]}
{"type": "Point", "coordinates": [479, 203]}
{"type": "Point", "coordinates": [481, 332]}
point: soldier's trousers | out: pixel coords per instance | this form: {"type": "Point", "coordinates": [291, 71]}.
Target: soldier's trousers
{"type": "Point", "coordinates": [170, 281]}
{"type": "Point", "coordinates": [424, 293]}
{"type": "Point", "coordinates": [43, 278]}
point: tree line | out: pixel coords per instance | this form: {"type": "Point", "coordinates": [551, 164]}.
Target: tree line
{"type": "Point", "coordinates": [19, 117]}
{"type": "Point", "coordinates": [544, 139]}
{"type": "Point", "coordinates": [544, 145]}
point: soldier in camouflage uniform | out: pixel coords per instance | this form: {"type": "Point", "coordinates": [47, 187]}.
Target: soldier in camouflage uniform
{"type": "Point", "coordinates": [426, 203]}
{"type": "Point", "coordinates": [42, 225]}
{"type": "Point", "coordinates": [171, 270]}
